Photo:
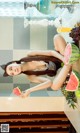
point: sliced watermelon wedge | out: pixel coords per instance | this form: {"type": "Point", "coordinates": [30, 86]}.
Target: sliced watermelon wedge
{"type": "Point", "coordinates": [73, 82]}
{"type": "Point", "coordinates": [71, 54]}
{"type": "Point", "coordinates": [17, 91]}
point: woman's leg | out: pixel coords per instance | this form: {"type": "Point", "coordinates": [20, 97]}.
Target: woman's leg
{"type": "Point", "coordinates": [59, 43]}
{"type": "Point", "coordinates": [60, 77]}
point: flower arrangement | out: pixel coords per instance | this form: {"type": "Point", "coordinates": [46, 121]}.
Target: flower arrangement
{"type": "Point", "coordinates": [71, 90]}
{"type": "Point", "coordinates": [75, 34]}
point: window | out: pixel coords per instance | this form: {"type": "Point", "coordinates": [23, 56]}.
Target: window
{"type": "Point", "coordinates": [12, 8]}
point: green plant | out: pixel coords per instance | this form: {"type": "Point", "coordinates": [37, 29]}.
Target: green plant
{"type": "Point", "coordinates": [70, 97]}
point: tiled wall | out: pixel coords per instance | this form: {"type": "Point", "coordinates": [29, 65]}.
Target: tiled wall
{"type": "Point", "coordinates": [15, 41]}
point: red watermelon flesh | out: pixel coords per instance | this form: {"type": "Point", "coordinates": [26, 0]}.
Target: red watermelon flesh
{"type": "Point", "coordinates": [17, 91]}
{"type": "Point", "coordinates": [67, 53]}
{"type": "Point", "coordinates": [73, 83]}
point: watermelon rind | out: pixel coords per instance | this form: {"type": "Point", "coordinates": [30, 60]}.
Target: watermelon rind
{"type": "Point", "coordinates": [77, 77]}
{"type": "Point", "coordinates": [75, 54]}
{"type": "Point", "coordinates": [77, 93]}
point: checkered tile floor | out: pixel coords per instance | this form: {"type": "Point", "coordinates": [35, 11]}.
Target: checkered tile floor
{"type": "Point", "coordinates": [15, 42]}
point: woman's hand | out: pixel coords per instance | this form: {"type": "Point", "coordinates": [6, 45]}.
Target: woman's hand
{"type": "Point", "coordinates": [25, 93]}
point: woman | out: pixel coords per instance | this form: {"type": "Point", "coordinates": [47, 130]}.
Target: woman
{"type": "Point", "coordinates": [47, 63]}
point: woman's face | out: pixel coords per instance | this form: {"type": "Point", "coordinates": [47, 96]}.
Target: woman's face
{"type": "Point", "coordinates": [13, 69]}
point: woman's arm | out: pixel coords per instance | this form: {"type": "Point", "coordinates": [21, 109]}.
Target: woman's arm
{"type": "Point", "coordinates": [47, 53]}
{"type": "Point", "coordinates": [60, 78]}
{"type": "Point", "coordinates": [44, 84]}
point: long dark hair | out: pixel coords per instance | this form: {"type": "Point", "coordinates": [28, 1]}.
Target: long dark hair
{"type": "Point", "coordinates": [38, 58]}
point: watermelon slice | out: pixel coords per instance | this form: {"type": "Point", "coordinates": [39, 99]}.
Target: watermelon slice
{"type": "Point", "coordinates": [71, 54]}
{"type": "Point", "coordinates": [17, 91]}
{"type": "Point", "coordinates": [73, 82]}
